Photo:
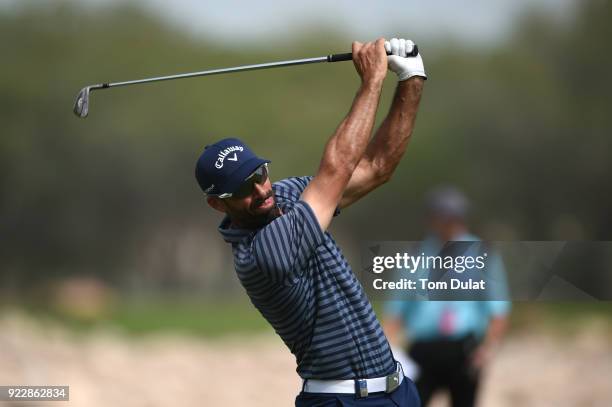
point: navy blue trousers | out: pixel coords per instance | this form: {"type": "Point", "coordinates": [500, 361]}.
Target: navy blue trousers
{"type": "Point", "coordinates": [404, 396]}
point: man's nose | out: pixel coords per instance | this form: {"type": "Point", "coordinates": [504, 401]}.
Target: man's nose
{"type": "Point", "coordinates": [259, 190]}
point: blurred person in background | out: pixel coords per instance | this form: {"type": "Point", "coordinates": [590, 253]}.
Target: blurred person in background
{"type": "Point", "coordinates": [450, 341]}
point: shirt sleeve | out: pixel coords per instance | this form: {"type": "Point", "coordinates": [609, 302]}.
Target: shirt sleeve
{"type": "Point", "coordinates": [283, 248]}
{"type": "Point", "coordinates": [292, 188]}
{"type": "Point", "coordinates": [395, 308]}
{"type": "Point", "coordinates": [296, 185]}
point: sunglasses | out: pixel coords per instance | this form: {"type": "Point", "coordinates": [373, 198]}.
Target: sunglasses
{"type": "Point", "coordinates": [259, 176]}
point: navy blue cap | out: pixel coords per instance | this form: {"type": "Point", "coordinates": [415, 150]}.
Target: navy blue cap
{"type": "Point", "coordinates": [223, 166]}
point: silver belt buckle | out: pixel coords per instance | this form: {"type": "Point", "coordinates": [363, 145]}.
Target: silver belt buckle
{"type": "Point", "coordinates": [362, 387]}
{"type": "Point", "coordinates": [393, 382]}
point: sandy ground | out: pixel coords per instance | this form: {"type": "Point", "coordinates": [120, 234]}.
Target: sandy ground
{"type": "Point", "coordinates": [106, 368]}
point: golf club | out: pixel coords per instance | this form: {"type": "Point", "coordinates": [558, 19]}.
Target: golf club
{"type": "Point", "coordinates": [81, 105]}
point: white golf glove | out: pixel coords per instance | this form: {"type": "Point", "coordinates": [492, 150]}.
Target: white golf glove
{"type": "Point", "coordinates": [404, 67]}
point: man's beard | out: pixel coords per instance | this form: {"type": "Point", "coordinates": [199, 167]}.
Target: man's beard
{"type": "Point", "coordinates": [258, 202]}
{"type": "Point", "coordinates": [273, 213]}
{"type": "Point", "coordinates": [258, 220]}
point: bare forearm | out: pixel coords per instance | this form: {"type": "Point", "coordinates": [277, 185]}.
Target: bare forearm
{"type": "Point", "coordinates": [393, 330]}
{"type": "Point", "coordinates": [346, 147]}
{"type": "Point", "coordinates": [496, 331]}
{"type": "Point", "coordinates": [390, 141]}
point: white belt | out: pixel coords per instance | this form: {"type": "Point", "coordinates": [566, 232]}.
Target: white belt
{"type": "Point", "coordinates": [360, 387]}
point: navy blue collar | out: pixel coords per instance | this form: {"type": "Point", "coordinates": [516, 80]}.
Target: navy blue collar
{"type": "Point", "coordinates": [232, 235]}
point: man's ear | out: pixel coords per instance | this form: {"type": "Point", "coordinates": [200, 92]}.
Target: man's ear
{"type": "Point", "coordinates": [216, 203]}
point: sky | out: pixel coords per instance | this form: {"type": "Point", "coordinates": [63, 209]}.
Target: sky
{"type": "Point", "coordinates": [239, 22]}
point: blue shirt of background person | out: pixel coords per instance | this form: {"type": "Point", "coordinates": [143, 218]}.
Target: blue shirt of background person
{"type": "Point", "coordinates": [446, 215]}
{"type": "Point", "coordinates": [425, 320]}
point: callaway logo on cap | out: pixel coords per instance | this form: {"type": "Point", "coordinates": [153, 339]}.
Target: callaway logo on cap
{"type": "Point", "coordinates": [224, 165]}
{"type": "Point", "coordinates": [223, 154]}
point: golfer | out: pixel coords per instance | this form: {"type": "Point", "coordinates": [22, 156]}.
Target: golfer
{"type": "Point", "coordinates": [291, 267]}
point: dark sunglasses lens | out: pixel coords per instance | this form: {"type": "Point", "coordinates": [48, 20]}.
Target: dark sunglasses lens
{"type": "Point", "coordinates": [246, 188]}
{"type": "Point", "coordinates": [260, 175]}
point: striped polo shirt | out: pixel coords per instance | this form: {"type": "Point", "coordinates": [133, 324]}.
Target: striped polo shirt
{"type": "Point", "coordinates": [298, 279]}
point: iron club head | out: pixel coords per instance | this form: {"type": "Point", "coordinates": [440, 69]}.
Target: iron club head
{"type": "Point", "coordinates": [81, 104]}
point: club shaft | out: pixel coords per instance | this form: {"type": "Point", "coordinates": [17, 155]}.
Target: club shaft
{"type": "Point", "coordinates": [217, 71]}
{"type": "Point", "coordinates": [81, 104]}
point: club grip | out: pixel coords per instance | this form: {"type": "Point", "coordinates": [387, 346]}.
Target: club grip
{"type": "Point", "coordinates": [349, 55]}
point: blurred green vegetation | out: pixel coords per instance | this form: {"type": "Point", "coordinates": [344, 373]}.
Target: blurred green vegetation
{"type": "Point", "coordinates": [219, 318]}
{"type": "Point", "coordinates": [210, 319]}
{"type": "Point", "coordinates": [563, 318]}
{"type": "Point", "coordinates": [523, 128]}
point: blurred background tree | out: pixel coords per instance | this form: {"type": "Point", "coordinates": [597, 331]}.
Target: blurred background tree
{"type": "Point", "coordinates": [523, 127]}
